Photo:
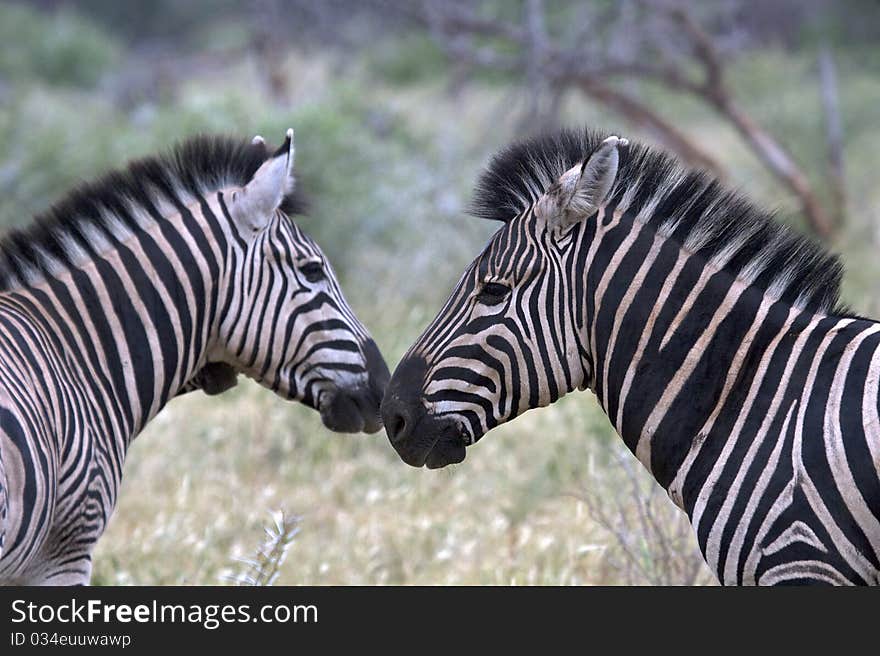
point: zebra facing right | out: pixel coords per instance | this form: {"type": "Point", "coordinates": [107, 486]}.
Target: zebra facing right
{"type": "Point", "coordinates": [712, 337]}
{"type": "Point", "coordinates": [177, 273]}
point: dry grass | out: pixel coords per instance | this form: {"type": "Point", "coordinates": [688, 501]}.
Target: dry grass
{"type": "Point", "coordinates": [196, 495]}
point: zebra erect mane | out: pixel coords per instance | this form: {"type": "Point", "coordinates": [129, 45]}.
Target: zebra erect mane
{"type": "Point", "coordinates": [690, 207]}
{"type": "Point", "coordinates": [123, 201]}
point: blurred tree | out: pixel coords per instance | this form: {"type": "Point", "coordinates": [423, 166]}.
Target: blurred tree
{"type": "Point", "coordinates": [555, 47]}
{"type": "Point", "coordinates": [168, 20]}
{"type": "Point", "coordinates": [61, 48]}
{"type": "Point", "coordinates": [546, 47]}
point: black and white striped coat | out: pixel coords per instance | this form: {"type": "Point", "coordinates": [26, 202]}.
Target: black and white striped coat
{"type": "Point", "coordinates": [711, 336]}
{"type": "Point", "coordinates": [179, 272]}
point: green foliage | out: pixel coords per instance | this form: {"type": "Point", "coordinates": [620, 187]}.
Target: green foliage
{"type": "Point", "coordinates": [62, 48]}
{"type": "Point", "coordinates": [410, 59]}
{"type": "Point", "coordinates": [415, 58]}
{"type": "Point", "coordinates": [159, 18]}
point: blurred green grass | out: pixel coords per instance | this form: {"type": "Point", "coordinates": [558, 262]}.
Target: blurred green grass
{"type": "Point", "coordinates": [388, 158]}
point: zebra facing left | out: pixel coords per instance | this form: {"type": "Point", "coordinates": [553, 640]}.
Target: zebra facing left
{"type": "Point", "coordinates": [177, 273]}
{"type": "Point", "coordinates": [711, 336]}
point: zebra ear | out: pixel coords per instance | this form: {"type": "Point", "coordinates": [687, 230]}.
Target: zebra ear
{"type": "Point", "coordinates": [582, 189]}
{"type": "Point", "coordinates": [254, 204]}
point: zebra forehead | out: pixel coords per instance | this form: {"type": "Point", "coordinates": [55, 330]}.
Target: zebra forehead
{"type": "Point", "coordinates": [126, 200]}
{"type": "Point", "coordinates": [301, 242]}
{"type": "Point", "coordinates": [686, 206]}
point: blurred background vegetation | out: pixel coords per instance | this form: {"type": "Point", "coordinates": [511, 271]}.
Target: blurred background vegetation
{"type": "Point", "coordinates": [397, 106]}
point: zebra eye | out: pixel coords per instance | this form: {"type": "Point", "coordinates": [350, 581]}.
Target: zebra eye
{"type": "Point", "coordinates": [313, 271]}
{"type": "Point", "coordinates": [493, 293]}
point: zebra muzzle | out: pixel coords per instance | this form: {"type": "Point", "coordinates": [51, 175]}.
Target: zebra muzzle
{"type": "Point", "coordinates": [422, 439]}
{"type": "Point", "coordinates": [434, 442]}
{"type": "Point", "coordinates": [351, 411]}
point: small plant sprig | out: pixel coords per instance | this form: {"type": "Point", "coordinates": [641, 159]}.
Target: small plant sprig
{"type": "Point", "coordinates": [266, 563]}
{"type": "Point", "coordinates": [651, 542]}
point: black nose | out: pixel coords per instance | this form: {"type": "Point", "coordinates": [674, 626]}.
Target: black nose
{"type": "Point", "coordinates": [402, 407]}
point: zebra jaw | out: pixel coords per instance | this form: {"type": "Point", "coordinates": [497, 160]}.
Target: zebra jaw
{"type": "Point", "coordinates": [215, 378]}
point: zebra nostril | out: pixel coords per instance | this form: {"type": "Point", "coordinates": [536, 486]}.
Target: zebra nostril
{"type": "Point", "coordinates": [401, 409]}
{"type": "Point", "coordinates": [396, 426]}
{"type": "Point", "coordinates": [398, 422]}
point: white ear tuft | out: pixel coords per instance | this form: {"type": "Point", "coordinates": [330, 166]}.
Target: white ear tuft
{"type": "Point", "coordinates": [258, 141]}
{"type": "Point", "coordinates": [291, 152]}
{"type": "Point", "coordinates": [582, 189]}
{"type": "Point", "coordinates": [253, 206]}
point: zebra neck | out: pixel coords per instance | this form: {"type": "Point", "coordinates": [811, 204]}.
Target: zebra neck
{"type": "Point", "coordinates": [673, 340]}
{"type": "Point", "coordinates": [134, 320]}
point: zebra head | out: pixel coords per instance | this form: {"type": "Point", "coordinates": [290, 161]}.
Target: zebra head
{"type": "Point", "coordinates": [285, 322]}
{"type": "Point", "coordinates": [511, 336]}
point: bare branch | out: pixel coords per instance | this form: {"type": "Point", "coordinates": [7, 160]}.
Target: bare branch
{"type": "Point", "coordinates": [773, 154]}
{"type": "Point", "coordinates": [453, 18]}
{"type": "Point", "coordinates": [639, 113]}
{"type": "Point", "coordinates": [545, 66]}
{"type": "Point", "coordinates": [833, 134]}
{"type": "Point", "coordinates": [585, 64]}
{"type": "Point", "coordinates": [782, 165]}
{"type": "Point", "coordinates": [704, 50]}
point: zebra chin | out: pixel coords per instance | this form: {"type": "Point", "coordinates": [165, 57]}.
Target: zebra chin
{"type": "Point", "coordinates": [350, 411]}
{"type": "Point", "coordinates": [437, 443]}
